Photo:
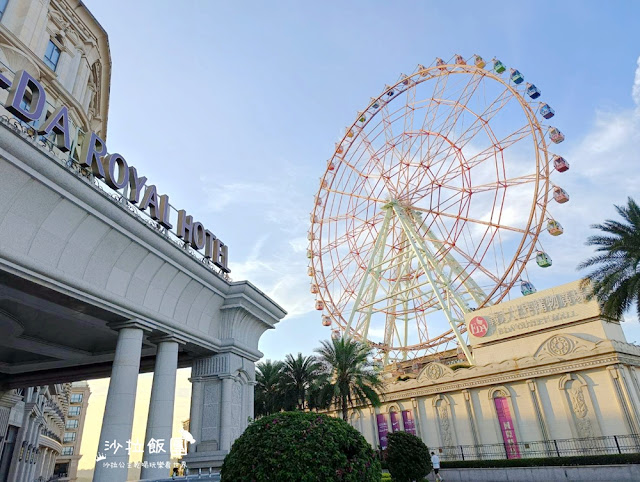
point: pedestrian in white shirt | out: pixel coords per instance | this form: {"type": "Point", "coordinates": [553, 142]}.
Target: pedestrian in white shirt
{"type": "Point", "coordinates": [435, 461]}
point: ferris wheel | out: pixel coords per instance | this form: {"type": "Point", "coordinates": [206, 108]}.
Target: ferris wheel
{"type": "Point", "coordinates": [434, 204]}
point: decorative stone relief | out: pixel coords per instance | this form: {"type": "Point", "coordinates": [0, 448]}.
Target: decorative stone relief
{"type": "Point", "coordinates": [445, 425]}
{"type": "Point", "coordinates": [236, 410]}
{"type": "Point", "coordinates": [559, 345]}
{"type": "Point", "coordinates": [562, 345]}
{"type": "Point", "coordinates": [212, 365]}
{"type": "Point", "coordinates": [434, 371]}
{"type": "Point", "coordinates": [211, 411]}
{"type": "Point", "coordinates": [580, 410]}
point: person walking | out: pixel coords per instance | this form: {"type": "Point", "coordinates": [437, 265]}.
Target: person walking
{"type": "Point", "coordinates": [435, 461]}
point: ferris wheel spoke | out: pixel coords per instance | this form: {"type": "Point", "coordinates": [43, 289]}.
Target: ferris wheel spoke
{"type": "Point", "coordinates": [501, 145]}
{"type": "Point", "coordinates": [503, 184]}
{"type": "Point", "coordinates": [458, 108]}
{"type": "Point", "coordinates": [482, 120]}
{"type": "Point", "coordinates": [358, 196]}
{"type": "Point", "coordinates": [378, 163]}
{"type": "Point", "coordinates": [471, 220]}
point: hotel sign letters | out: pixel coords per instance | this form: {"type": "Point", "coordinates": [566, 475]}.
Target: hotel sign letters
{"type": "Point", "coordinates": [113, 169]}
{"type": "Point", "coordinates": [558, 306]}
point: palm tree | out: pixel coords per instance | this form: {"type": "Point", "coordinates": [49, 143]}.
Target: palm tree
{"type": "Point", "coordinates": [354, 378]}
{"type": "Point", "coordinates": [268, 391]}
{"type": "Point", "coordinates": [616, 279]}
{"type": "Point", "coordinates": [298, 375]}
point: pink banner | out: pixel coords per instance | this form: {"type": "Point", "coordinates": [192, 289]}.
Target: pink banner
{"type": "Point", "coordinates": [506, 426]}
{"type": "Point", "coordinates": [395, 422]}
{"type": "Point", "coordinates": [407, 418]}
{"type": "Point", "coordinates": [383, 430]}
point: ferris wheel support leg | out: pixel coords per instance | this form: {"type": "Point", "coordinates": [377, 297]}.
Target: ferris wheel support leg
{"type": "Point", "coordinates": [366, 278]}
{"type": "Point", "coordinates": [429, 264]}
{"type": "Point", "coordinates": [374, 289]}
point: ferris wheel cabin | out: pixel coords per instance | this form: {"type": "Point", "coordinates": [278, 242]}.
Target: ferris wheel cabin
{"type": "Point", "coordinates": [554, 227]}
{"type": "Point", "coordinates": [498, 66]}
{"type": "Point", "coordinates": [556, 136]}
{"type": "Point", "coordinates": [543, 259]}
{"type": "Point", "coordinates": [560, 195]}
{"type": "Point", "coordinates": [479, 62]}
{"type": "Point", "coordinates": [516, 76]}
{"type": "Point", "coordinates": [527, 288]}
{"type": "Point", "coordinates": [533, 91]}
{"type": "Point", "coordinates": [560, 164]}
{"type": "Point", "coordinates": [546, 111]}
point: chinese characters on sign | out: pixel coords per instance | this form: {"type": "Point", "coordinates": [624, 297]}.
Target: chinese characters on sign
{"type": "Point", "coordinates": [565, 304]}
{"type": "Point", "coordinates": [506, 426]}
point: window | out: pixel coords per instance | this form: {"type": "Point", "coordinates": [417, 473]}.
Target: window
{"type": "Point", "coordinates": [72, 424]}
{"type": "Point", "coordinates": [69, 437]}
{"type": "Point", "coordinates": [76, 398]}
{"type": "Point", "coordinates": [74, 411]}
{"type": "Point", "coordinates": [67, 450]}
{"type": "Point", "coordinates": [3, 7]}
{"type": "Point", "coordinates": [52, 55]}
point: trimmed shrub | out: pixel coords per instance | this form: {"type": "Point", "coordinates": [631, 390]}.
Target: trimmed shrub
{"type": "Point", "coordinates": [305, 447]}
{"type": "Point", "coordinates": [407, 457]}
{"type": "Point", "coordinates": [613, 459]}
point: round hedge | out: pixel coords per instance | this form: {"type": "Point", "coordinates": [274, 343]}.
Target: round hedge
{"type": "Point", "coordinates": [302, 447]}
{"type": "Point", "coordinates": [408, 457]}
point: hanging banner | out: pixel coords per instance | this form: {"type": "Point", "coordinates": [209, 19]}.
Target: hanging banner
{"type": "Point", "coordinates": [409, 425]}
{"type": "Point", "coordinates": [383, 430]}
{"type": "Point", "coordinates": [506, 426]}
{"type": "Point", "coordinates": [395, 422]}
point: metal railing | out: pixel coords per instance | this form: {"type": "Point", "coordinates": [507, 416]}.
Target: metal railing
{"type": "Point", "coordinates": [607, 445]}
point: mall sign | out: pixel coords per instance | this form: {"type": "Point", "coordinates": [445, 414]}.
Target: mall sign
{"type": "Point", "coordinates": [113, 169]}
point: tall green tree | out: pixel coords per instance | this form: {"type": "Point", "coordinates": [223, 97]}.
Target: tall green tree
{"type": "Point", "coordinates": [298, 375]}
{"type": "Point", "coordinates": [268, 390]}
{"type": "Point", "coordinates": [354, 378]}
{"type": "Point", "coordinates": [616, 277]}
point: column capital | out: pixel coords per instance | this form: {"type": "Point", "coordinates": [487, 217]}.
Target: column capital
{"type": "Point", "coordinates": [119, 325]}
{"type": "Point", "coordinates": [167, 337]}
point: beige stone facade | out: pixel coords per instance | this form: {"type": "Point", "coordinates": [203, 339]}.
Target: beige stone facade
{"type": "Point", "coordinates": [66, 467]}
{"type": "Point", "coordinates": [547, 366]}
{"type": "Point", "coordinates": [61, 44]}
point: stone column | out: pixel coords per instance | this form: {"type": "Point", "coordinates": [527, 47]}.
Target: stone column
{"type": "Point", "coordinates": [160, 421]}
{"type": "Point", "coordinates": [121, 398]}
{"type": "Point", "coordinates": [43, 462]}
{"type": "Point", "coordinates": [218, 407]}
{"type": "Point", "coordinates": [538, 409]}
{"type": "Point", "coordinates": [52, 462]}
{"type": "Point", "coordinates": [23, 437]}
{"type": "Point", "coordinates": [195, 417]}
{"type": "Point", "coordinates": [36, 442]}
{"type": "Point", "coordinates": [225, 414]}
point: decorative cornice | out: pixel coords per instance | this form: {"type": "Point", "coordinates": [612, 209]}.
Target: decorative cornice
{"type": "Point", "coordinates": [493, 379]}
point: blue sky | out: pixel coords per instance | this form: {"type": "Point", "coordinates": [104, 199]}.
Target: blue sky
{"type": "Point", "coordinates": [232, 108]}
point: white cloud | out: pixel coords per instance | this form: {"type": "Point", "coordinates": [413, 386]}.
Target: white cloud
{"type": "Point", "coordinates": [635, 92]}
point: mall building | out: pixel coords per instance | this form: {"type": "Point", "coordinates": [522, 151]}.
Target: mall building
{"type": "Point", "coordinates": [100, 276]}
{"type": "Point", "coordinates": [552, 376]}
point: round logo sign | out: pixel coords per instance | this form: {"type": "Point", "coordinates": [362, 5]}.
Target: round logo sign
{"type": "Point", "coordinates": [478, 326]}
